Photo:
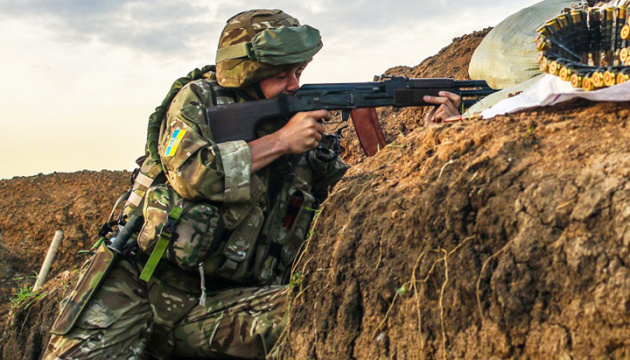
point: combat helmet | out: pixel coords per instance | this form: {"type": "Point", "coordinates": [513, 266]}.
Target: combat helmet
{"type": "Point", "coordinates": [258, 44]}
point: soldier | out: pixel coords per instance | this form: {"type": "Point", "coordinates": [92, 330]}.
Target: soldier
{"type": "Point", "coordinates": [231, 216]}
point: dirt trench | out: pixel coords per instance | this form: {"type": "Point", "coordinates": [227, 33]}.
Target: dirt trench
{"type": "Point", "coordinates": [32, 209]}
{"type": "Point", "coordinates": [505, 238]}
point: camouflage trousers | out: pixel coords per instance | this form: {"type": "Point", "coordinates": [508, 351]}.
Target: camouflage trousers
{"type": "Point", "coordinates": [122, 321]}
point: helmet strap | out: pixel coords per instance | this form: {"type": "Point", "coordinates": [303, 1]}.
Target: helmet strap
{"type": "Point", "coordinates": [258, 90]}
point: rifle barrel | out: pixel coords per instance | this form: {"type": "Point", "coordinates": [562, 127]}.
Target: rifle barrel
{"type": "Point", "coordinates": [471, 83]}
{"type": "Point", "coordinates": [479, 92]}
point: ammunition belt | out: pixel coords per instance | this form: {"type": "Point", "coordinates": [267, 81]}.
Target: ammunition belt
{"type": "Point", "coordinates": [588, 47]}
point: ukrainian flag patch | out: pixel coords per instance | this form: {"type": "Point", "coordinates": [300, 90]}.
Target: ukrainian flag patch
{"type": "Point", "coordinates": [173, 144]}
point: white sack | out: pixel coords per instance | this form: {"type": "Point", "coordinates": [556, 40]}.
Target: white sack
{"type": "Point", "coordinates": [507, 55]}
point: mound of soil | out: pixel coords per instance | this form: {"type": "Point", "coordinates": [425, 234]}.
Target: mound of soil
{"type": "Point", "coordinates": [501, 238]}
{"type": "Point", "coordinates": [505, 238]}
{"type": "Point", "coordinates": [32, 209]}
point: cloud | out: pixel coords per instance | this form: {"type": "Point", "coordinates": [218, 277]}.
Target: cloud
{"type": "Point", "coordinates": [170, 31]}
{"type": "Point", "coordinates": [176, 28]}
{"type": "Point", "coordinates": [79, 73]}
{"type": "Point", "coordinates": [367, 15]}
{"type": "Point", "coordinates": [158, 28]}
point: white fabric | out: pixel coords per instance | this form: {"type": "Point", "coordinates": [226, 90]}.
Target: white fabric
{"type": "Point", "coordinates": [550, 90]}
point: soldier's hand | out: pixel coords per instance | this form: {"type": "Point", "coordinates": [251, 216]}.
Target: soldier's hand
{"type": "Point", "coordinates": [448, 107]}
{"type": "Point", "coordinates": [304, 131]}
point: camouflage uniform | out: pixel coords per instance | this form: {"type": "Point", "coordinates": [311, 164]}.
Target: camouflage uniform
{"type": "Point", "coordinates": [121, 321]}
{"type": "Point", "coordinates": [241, 312]}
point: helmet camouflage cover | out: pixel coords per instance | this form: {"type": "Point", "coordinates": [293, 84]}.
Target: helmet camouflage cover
{"type": "Point", "coordinates": [258, 44]}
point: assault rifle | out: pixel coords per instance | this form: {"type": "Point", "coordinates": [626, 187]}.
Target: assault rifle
{"type": "Point", "coordinates": [240, 121]}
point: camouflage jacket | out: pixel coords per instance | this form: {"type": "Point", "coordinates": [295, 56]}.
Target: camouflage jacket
{"type": "Point", "coordinates": [265, 215]}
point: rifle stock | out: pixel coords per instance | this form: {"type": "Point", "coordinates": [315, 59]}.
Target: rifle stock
{"type": "Point", "coordinates": [240, 121]}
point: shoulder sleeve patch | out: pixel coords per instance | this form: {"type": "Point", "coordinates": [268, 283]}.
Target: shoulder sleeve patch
{"type": "Point", "coordinates": [173, 144]}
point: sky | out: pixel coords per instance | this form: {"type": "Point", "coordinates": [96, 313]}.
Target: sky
{"type": "Point", "coordinates": [80, 78]}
